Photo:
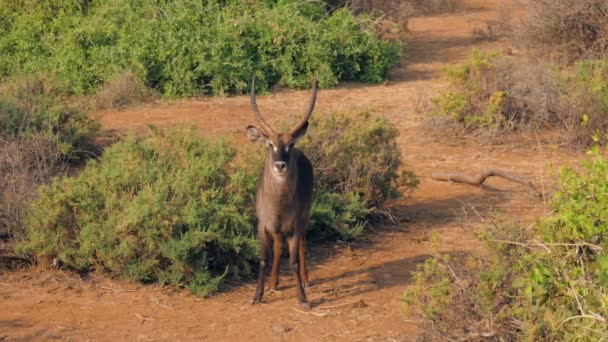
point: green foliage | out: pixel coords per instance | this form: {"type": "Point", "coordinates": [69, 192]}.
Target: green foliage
{"type": "Point", "coordinates": [431, 290]}
{"type": "Point", "coordinates": [355, 153]}
{"type": "Point", "coordinates": [549, 282]}
{"type": "Point", "coordinates": [173, 208]}
{"type": "Point", "coordinates": [357, 164]}
{"type": "Point", "coordinates": [337, 216]}
{"type": "Point", "coordinates": [166, 207]}
{"type": "Point", "coordinates": [187, 47]}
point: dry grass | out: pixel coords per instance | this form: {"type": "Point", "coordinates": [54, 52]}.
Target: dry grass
{"type": "Point", "coordinates": [25, 163]}
{"type": "Point", "coordinates": [565, 30]}
{"type": "Point", "coordinates": [398, 11]}
{"type": "Point", "coordinates": [123, 90]}
{"type": "Point", "coordinates": [493, 94]}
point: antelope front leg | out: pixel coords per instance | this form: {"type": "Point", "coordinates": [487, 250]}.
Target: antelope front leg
{"type": "Point", "coordinates": [276, 261]}
{"type": "Point", "coordinates": [302, 255]}
{"type": "Point", "coordinates": [264, 252]}
{"type": "Point", "coordinates": [294, 244]}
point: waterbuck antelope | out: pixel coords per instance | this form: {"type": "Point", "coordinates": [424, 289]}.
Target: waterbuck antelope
{"type": "Point", "coordinates": [283, 198]}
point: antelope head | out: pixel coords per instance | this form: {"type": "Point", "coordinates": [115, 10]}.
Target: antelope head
{"type": "Point", "coordinates": [280, 145]}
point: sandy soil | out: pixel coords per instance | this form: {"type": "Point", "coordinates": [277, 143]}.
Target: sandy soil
{"type": "Point", "coordinates": [356, 288]}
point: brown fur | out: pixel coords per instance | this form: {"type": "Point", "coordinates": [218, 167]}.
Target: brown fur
{"type": "Point", "coordinates": [283, 200]}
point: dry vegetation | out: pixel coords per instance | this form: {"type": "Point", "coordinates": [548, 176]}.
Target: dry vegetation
{"type": "Point", "coordinates": [39, 137]}
{"type": "Point", "coordinates": [397, 11]}
{"type": "Point", "coordinates": [565, 30]}
{"type": "Point", "coordinates": [546, 281]}
{"type": "Point", "coordinates": [25, 164]}
{"type": "Point", "coordinates": [492, 94]}
{"type": "Point", "coordinates": [123, 90]}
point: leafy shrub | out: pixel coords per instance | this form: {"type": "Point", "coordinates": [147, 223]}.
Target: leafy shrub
{"type": "Point", "coordinates": [357, 164]}
{"type": "Point", "coordinates": [397, 7]}
{"type": "Point", "coordinates": [493, 93]}
{"type": "Point", "coordinates": [166, 207]}
{"type": "Point", "coordinates": [173, 208]}
{"type": "Point", "coordinates": [543, 283]}
{"type": "Point", "coordinates": [565, 30]}
{"type": "Point", "coordinates": [187, 47]}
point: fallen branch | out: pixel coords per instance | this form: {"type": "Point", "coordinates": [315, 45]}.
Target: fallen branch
{"type": "Point", "coordinates": [472, 180]}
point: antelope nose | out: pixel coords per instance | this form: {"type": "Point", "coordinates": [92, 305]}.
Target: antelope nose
{"type": "Point", "coordinates": [280, 166]}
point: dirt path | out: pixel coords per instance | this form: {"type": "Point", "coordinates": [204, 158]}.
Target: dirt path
{"type": "Point", "coordinates": [361, 283]}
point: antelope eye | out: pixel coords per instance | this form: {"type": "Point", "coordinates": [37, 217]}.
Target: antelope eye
{"type": "Point", "coordinates": [288, 147]}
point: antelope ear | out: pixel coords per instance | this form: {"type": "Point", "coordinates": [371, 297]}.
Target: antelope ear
{"type": "Point", "coordinates": [255, 135]}
{"type": "Point", "coordinates": [298, 133]}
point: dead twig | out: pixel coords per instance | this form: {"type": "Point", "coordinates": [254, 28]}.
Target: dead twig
{"type": "Point", "coordinates": [142, 318]}
{"type": "Point", "coordinates": [318, 314]}
{"type": "Point", "coordinates": [542, 183]}
{"type": "Point", "coordinates": [128, 290]}
{"type": "Point", "coordinates": [339, 305]}
{"type": "Point", "coordinates": [544, 245]}
{"type": "Point", "coordinates": [478, 180]}
{"type": "Point", "coordinates": [593, 316]}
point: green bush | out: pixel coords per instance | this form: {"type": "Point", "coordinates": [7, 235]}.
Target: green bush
{"type": "Point", "coordinates": [173, 208]}
{"type": "Point", "coordinates": [188, 47]}
{"type": "Point", "coordinates": [358, 164]}
{"type": "Point", "coordinates": [163, 208]}
{"type": "Point", "coordinates": [546, 282]}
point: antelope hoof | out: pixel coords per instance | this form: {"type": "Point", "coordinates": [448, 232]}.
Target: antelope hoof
{"type": "Point", "coordinates": [273, 286]}
{"type": "Point", "coordinates": [305, 305]}
{"type": "Point", "coordinates": [256, 301]}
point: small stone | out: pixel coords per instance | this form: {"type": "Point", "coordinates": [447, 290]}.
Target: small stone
{"type": "Point", "coordinates": [360, 304]}
{"type": "Point", "coordinates": [281, 328]}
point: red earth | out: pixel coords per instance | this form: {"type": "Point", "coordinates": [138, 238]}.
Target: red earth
{"type": "Point", "coordinates": [356, 287]}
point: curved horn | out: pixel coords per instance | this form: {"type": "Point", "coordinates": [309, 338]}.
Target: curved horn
{"type": "Point", "coordinates": [256, 112]}
{"type": "Point", "coordinates": [311, 105]}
